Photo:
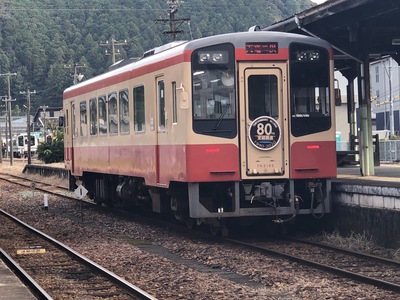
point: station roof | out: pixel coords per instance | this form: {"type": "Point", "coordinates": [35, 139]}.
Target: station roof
{"type": "Point", "coordinates": [357, 29]}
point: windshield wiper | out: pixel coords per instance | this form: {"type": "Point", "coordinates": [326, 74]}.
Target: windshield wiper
{"type": "Point", "coordinates": [222, 116]}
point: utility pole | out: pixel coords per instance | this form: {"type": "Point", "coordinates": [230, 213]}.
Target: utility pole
{"type": "Point", "coordinates": [75, 66]}
{"type": "Point", "coordinates": [1, 138]}
{"type": "Point", "coordinates": [8, 101]}
{"type": "Point", "coordinates": [28, 121]}
{"type": "Point", "coordinates": [113, 43]}
{"type": "Point", "coordinates": [173, 23]}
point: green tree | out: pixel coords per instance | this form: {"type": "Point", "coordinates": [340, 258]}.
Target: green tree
{"type": "Point", "coordinates": [52, 151]}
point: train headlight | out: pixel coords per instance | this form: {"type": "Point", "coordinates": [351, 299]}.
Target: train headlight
{"type": "Point", "coordinates": [217, 57]}
{"type": "Point", "coordinates": [309, 55]}
{"type": "Point", "coordinates": [213, 57]}
{"type": "Point", "coordinates": [204, 57]}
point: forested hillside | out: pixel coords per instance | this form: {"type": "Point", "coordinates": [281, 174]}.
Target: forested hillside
{"type": "Point", "coordinates": [40, 37]}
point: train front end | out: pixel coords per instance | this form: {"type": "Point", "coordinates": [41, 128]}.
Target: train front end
{"type": "Point", "coordinates": [263, 112]}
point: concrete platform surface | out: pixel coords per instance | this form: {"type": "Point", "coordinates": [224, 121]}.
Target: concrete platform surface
{"type": "Point", "coordinates": [11, 287]}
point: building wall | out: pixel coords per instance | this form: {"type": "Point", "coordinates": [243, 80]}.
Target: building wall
{"type": "Point", "coordinates": [385, 93]}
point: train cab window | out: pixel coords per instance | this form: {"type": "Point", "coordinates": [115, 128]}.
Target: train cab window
{"type": "Point", "coordinates": [139, 109]}
{"type": "Point", "coordinates": [93, 116]}
{"type": "Point", "coordinates": [309, 89]}
{"type": "Point", "coordinates": [124, 111]}
{"type": "Point", "coordinates": [263, 96]}
{"type": "Point", "coordinates": [83, 118]}
{"type": "Point", "coordinates": [102, 115]}
{"type": "Point", "coordinates": [161, 105]}
{"type": "Point", "coordinates": [213, 86]}
{"type": "Point", "coordinates": [112, 113]}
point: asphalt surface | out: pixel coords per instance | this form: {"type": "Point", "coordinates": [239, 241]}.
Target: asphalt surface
{"type": "Point", "coordinates": [385, 175]}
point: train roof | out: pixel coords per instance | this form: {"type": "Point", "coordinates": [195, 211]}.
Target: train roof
{"type": "Point", "coordinates": [161, 53]}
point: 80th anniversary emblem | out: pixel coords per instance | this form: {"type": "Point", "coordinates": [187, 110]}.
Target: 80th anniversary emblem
{"type": "Point", "coordinates": [264, 133]}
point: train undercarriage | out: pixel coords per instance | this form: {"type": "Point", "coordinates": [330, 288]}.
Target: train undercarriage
{"type": "Point", "coordinates": [214, 203]}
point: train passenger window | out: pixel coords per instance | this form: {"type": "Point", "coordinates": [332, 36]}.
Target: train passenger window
{"type": "Point", "coordinates": [161, 105]}
{"type": "Point", "coordinates": [83, 118]}
{"type": "Point", "coordinates": [263, 96]}
{"type": "Point", "coordinates": [93, 116]}
{"type": "Point", "coordinates": [139, 109]}
{"type": "Point", "coordinates": [102, 115]}
{"type": "Point", "coordinates": [213, 91]}
{"type": "Point", "coordinates": [309, 89]}
{"type": "Point", "coordinates": [112, 113]}
{"type": "Point", "coordinates": [174, 104]}
{"type": "Point", "coordinates": [124, 111]}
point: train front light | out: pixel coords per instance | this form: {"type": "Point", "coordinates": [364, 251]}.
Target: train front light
{"type": "Point", "coordinates": [213, 57]}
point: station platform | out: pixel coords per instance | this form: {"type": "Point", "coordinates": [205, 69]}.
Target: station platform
{"type": "Point", "coordinates": [11, 287]}
{"type": "Point", "coordinates": [385, 175]}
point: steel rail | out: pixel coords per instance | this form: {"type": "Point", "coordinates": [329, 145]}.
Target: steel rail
{"type": "Point", "coordinates": [38, 291]}
{"type": "Point", "coordinates": [361, 278]}
{"type": "Point", "coordinates": [127, 286]}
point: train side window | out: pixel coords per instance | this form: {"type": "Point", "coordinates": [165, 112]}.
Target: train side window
{"type": "Point", "coordinates": [93, 116]}
{"type": "Point", "coordinates": [83, 118]}
{"type": "Point", "coordinates": [161, 105]}
{"type": "Point", "coordinates": [74, 130]}
{"type": "Point", "coordinates": [102, 115]}
{"type": "Point", "coordinates": [112, 113]}
{"type": "Point", "coordinates": [124, 111]}
{"type": "Point", "coordinates": [174, 104]}
{"type": "Point", "coordinates": [139, 109]}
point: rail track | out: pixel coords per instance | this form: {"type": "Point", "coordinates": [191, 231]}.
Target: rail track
{"type": "Point", "coordinates": [372, 270]}
{"type": "Point", "coordinates": [58, 270]}
{"type": "Point", "coordinates": [380, 272]}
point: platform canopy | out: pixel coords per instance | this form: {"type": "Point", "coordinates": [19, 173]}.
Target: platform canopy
{"type": "Point", "coordinates": [360, 31]}
{"type": "Point", "coordinates": [357, 29]}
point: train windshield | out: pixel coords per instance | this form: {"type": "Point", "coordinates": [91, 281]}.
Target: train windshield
{"type": "Point", "coordinates": [309, 89]}
{"type": "Point", "coordinates": [213, 80]}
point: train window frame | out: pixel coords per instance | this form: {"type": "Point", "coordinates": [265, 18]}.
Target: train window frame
{"type": "Point", "coordinates": [139, 109]}
{"type": "Point", "coordinates": [263, 96]}
{"type": "Point", "coordinates": [83, 118]}
{"type": "Point", "coordinates": [214, 84]}
{"type": "Point", "coordinates": [174, 104]}
{"type": "Point", "coordinates": [113, 122]}
{"type": "Point", "coordinates": [73, 124]}
{"type": "Point", "coordinates": [102, 113]}
{"type": "Point", "coordinates": [124, 122]}
{"type": "Point", "coordinates": [66, 127]}
{"type": "Point", "coordinates": [162, 122]}
{"type": "Point", "coordinates": [93, 116]}
{"type": "Point", "coordinates": [310, 88]}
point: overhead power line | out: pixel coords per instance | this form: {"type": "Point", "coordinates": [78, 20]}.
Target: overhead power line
{"type": "Point", "coordinates": [173, 23]}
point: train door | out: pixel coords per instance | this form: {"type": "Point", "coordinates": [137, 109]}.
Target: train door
{"type": "Point", "coordinates": [161, 128]}
{"type": "Point", "coordinates": [263, 115]}
{"type": "Point", "coordinates": [69, 136]}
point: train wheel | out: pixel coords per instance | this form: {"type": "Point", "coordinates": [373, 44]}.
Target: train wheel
{"type": "Point", "coordinates": [214, 230]}
{"type": "Point", "coordinates": [190, 223]}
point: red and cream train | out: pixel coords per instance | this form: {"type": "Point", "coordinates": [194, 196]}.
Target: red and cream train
{"type": "Point", "coordinates": [234, 125]}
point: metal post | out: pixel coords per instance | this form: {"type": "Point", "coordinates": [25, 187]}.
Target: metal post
{"type": "Point", "coordinates": [28, 123]}
{"type": "Point", "coordinates": [8, 105]}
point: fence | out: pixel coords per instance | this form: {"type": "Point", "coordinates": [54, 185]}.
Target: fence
{"type": "Point", "coordinates": [389, 151]}
{"type": "Point", "coordinates": [349, 154]}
